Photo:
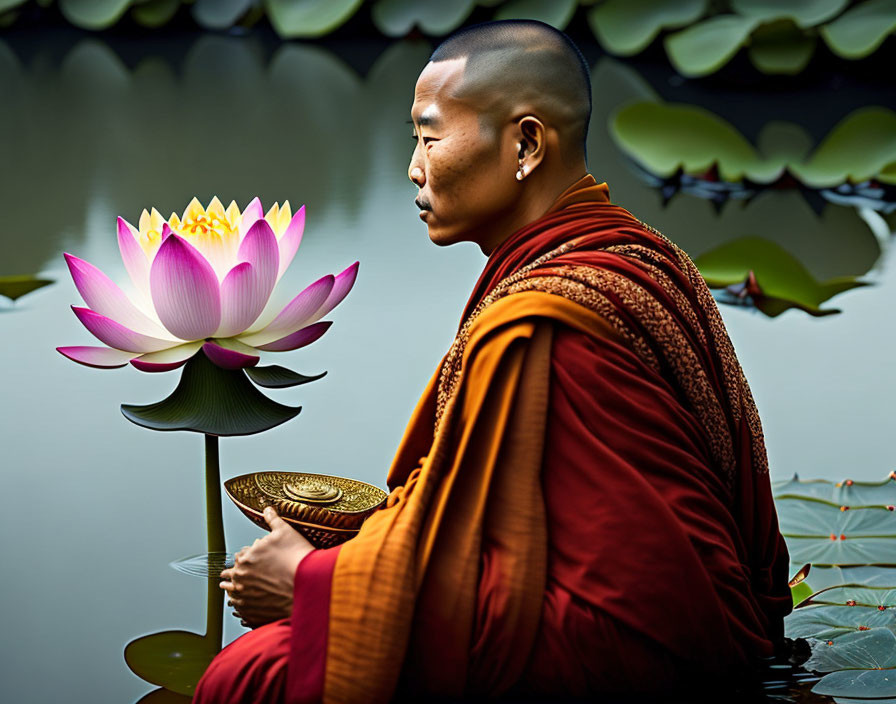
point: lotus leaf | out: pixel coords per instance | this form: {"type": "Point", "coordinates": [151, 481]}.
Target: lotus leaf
{"type": "Point", "coordinates": [556, 13]}
{"type": "Point", "coordinates": [858, 148]}
{"type": "Point", "coordinates": [309, 18]}
{"type": "Point", "coordinates": [626, 27]}
{"type": "Point", "coordinates": [174, 660]}
{"type": "Point", "coordinates": [832, 622]}
{"type": "Point", "coordinates": [277, 377]}
{"type": "Point", "coordinates": [798, 517]}
{"type": "Point", "coordinates": [155, 13]}
{"type": "Point", "coordinates": [705, 47]}
{"type": "Point", "coordinates": [856, 595]}
{"type": "Point", "coordinates": [395, 18]}
{"type": "Point", "coordinates": [783, 282]}
{"type": "Point", "coordinates": [800, 592]}
{"type": "Point", "coordinates": [214, 401]}
{"type": "Point", "coordinates": [805, 13]}
{"type": "Point", "coordinates": [220, 14]}
{"type": "Point", "coordinates": [822, 577]}
{"type": "Point", "coordinates": [859, 550]}
{"type": "Point", "coordinates": [842, 493]}
{"type": "Point", "coordinates": [781, 47]}
{"type": "Point", "coordinates": [860, 30]}
{"type": "Point", "coordinates": [93, 14]}
{"type": "Point", "coordinates": [14, 287]}
{"type": "Point", "coordinates": [862, 664]}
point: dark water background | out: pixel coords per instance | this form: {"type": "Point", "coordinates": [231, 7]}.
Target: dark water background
{"type": "Point", "coordinates": [94, 127]}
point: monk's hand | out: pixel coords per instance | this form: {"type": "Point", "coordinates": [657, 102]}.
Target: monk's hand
{"type": "Point", "coordinates": [260, 583]}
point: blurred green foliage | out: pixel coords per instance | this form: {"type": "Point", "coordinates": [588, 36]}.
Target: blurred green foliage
{"type": "Point", "coordinates": [700, 37]}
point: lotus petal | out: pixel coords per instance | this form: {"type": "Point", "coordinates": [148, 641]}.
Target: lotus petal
{"type": "Point", "coordinates": [289, 242]}
{"type": "Point", "coordinates": [259, 247]}
{"type": "Point", "coordinates": [341, 286]}
{"type": "Point", "coordinates": [230, 356]}
{"type": "Point", "coordinates": [253, 212]}
{"type": "Point", "coordinates": [185, 290]}
{"type": "Point", "coordinates": [166, 360]}
{"type": "Point", "coordinates": [243, 297]}
{"type": "Point", "coordinates": [117, 335]}
{"type": "Point", "coordinates": [133, 256]}
{"type": "Point", "coordinates": [103, 296]}
{"type": "Point", "coordinates": [295, 314]}
{"type": "Point", "coordinates": [99, 357]}
{"type": "Point", "coordinates": [300, 338]}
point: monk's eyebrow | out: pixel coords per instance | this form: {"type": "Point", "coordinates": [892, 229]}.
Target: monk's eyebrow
{"type": "Point", "coordinates": [426, 121]}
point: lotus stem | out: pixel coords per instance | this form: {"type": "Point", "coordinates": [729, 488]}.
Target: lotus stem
{"type": "Point", "coordinates": [213, 512]}
{"type": "Point", "coordinates": [214, 614]}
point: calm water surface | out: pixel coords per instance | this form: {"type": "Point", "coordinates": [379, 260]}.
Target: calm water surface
{"type": "Point", "coordinates": [96, 507]}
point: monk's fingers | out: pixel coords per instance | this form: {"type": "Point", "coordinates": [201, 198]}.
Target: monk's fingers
{"type": "Point", "coordinates": [274, 520]}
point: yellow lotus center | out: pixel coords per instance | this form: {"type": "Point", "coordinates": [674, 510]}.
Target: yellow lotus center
{"type": "Point", "coordinates": [204, 224]}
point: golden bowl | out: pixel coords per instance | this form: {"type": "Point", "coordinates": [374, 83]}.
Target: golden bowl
{"type": "Point", "coordinates": [327, 510]}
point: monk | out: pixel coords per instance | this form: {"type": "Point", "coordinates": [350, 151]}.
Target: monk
{"type": "Point", "coordinates": [580, 504]}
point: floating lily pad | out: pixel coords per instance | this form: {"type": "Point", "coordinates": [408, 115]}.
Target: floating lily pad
{"type": "Point", "coordinates": [277, 377]}
{"type": "Point", "coordinates": [781, 47]}
{"type": "Point", "coordinates": [556, 13]}
{"type": "Point", "coordinates": [220, 14]}
{"type": "Point", "coordinates": [860, 550]}
{"type": "Point", "coordinates": [93, 14]}
{"type": "Point", "coordinates": [775, 279]}
{"type": "Point", "coordinates": [822, 577]}
{"type": "Point", "coordinates": [805, 13]}
{"type": "Point", "coordinates": [309, 18]}
{"type": "Point", "coordinates": [818, 518]}
{"type": "Point", "coordinates": [174, 660]}
{"type": "Point", "coordinates": [705, 47]}
{"type": "Point", "coordinates": [396, 18]}
{"type": "Point", "coordinates": [856, 595]}
{"type": "Point", "coordinates": [859, 148]}
{"type": "Point", "coordinates": [214, 401]}
{"type": "Point", "coordinates": [832, 622]}
{"type": "Point", "coordinates": [155, 13]}
{"type": "Point", "coordinates": [626, 27]}
{"type": "Point", "coordinates": [14, 287]}
{"type": "Point", "coordinates": [843, 493]}
{"type": "Point", "coordinates": [862, 664]}
{"type": "Point", "coordinates": [861, 29]}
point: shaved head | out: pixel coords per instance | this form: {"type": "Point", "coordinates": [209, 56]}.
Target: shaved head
{"type": "Point", "coordinates": [523, 66]}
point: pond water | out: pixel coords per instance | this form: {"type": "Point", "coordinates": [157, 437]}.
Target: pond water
{"type": "Point", "coordinates": [92, 128]}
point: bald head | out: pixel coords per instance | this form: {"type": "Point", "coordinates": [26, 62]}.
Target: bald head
{"type": "Point", "coordinates": [518, 67]}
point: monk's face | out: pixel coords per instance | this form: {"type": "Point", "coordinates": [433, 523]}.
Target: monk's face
{"type": "Point", "coordinates": [465, 160]}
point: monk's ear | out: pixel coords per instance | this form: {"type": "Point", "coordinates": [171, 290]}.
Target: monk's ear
{"type": "Point", "coordinates": [532, 142]}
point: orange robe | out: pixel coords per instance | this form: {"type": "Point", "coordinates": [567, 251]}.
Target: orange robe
{"type": "Point", "coordinates": [580, 503]}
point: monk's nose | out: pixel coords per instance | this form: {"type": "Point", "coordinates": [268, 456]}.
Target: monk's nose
{"type": "Point", "coordinates": [416, 175]}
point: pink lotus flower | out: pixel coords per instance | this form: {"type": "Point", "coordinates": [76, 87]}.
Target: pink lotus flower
{"type": "Point", "coordinates": [202, 281]}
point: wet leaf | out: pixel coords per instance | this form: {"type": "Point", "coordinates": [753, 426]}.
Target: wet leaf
{"type": "Point", "coordinates": [823, 577]}
{"type": "Point", "coordinates": [705, 47]}
{"type": "Point", "coordinates": [843, 493]}
{"type": "Point", "coordinates": [865, 650]}
{"type": "Point", "coordinates": [277, 377]}
{"type": "Point", "coordinates": [816, 517]}
{"type": "Point", "coordinates": [93, 14]}
{"type": "Point", "coordinates": [779, 281]}
{"type": "Point", "coordinates": [396, 18]}
{"type": "Point", "coordinates": [309, 18]}
{"type": "Point", "coordinates": [14, 287]}
{"type": "Point", "coordinates": [626, 27]}
{"type": "Point", "coordinates": [214, 401]}
{"type": "Point", "coordinates": [860, 147]}
{"type": "Point", "coordinates": [832, 622]}
{"type": "Point", "coordinates": [556, 13]}
{"type": "Point", "coordinates": [849, 551]}
{"type": "Point", "coordinates": [860, 30]}
{"type": "Point", "coordinates": [857, 594]}
{"type": "Point", "coordinates": [805, 13]}
{"type": "Point", "coordinates": [781, 47]}
{"type": "Point", "coordinates": [220, 14]}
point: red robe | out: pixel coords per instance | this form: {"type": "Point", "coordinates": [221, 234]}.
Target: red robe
{"type": "Point", "coordinates": [658, 569]}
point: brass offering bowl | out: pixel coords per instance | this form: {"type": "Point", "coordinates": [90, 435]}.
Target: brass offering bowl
{"type": "Point", "coordinates": [327, 510]}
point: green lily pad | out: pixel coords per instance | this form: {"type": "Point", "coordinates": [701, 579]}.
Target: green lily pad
{"type": "Point", "coordinates": [780, 47]}
{"type": "Point", "coordinates": [277, 377]}
{"type": "Point", "coordinates": [213, 401]}
{"type": "Point", "coordinates": [862, 664]}
{"type": "Point", "coordinates": [93, 14]}
{"type": "Point", "coordinates": [155, 13]}
{"type": "Point", "coordinates": [824, 577]}
{"type": "Point", "coordinates": [843, 493]}
{"type": "Point", "coordinates": [783, 282]}
{"type": "Point", "coordinates": [799, 517]}
{"type": "Point", "coordinates": [705, 47]}
{"type": "Point", "coordinates": [832, 622]}
{"type": "Point", "coordinates": [858, 594]}
{"type": "Point", "coordinates": [14, 287]}
{"type": "Point", "coordinates": [860, 550]}
{"type": "Point", "coordinates": [174, 660]}
{"type": "Point", "coordinates": [627, 27]}
{"type": "Point", "coordinates": [396, 18]}
{"type": "Point", "coordinates": [556, 13]}
{"type": "Point", "coordinates": [805, 13]}
{"type": "Point", "coordinates": [309, 18]}
{"type": "Point", "coordinates": [861, 146]}
{"type": "Point", "coordinates": [219, 14]}
{"type": "Point", "coordinates": [860, 30]}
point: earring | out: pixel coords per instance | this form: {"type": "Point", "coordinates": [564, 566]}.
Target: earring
{"type": "Point", "coordinates": [521, 172]}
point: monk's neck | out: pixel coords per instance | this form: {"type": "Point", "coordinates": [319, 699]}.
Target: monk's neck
{"type": "Point", "coordinates": [536, 198]}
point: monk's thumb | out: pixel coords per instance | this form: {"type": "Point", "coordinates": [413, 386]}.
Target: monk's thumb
{"type": "Point", "coordinates": [273, 520]}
